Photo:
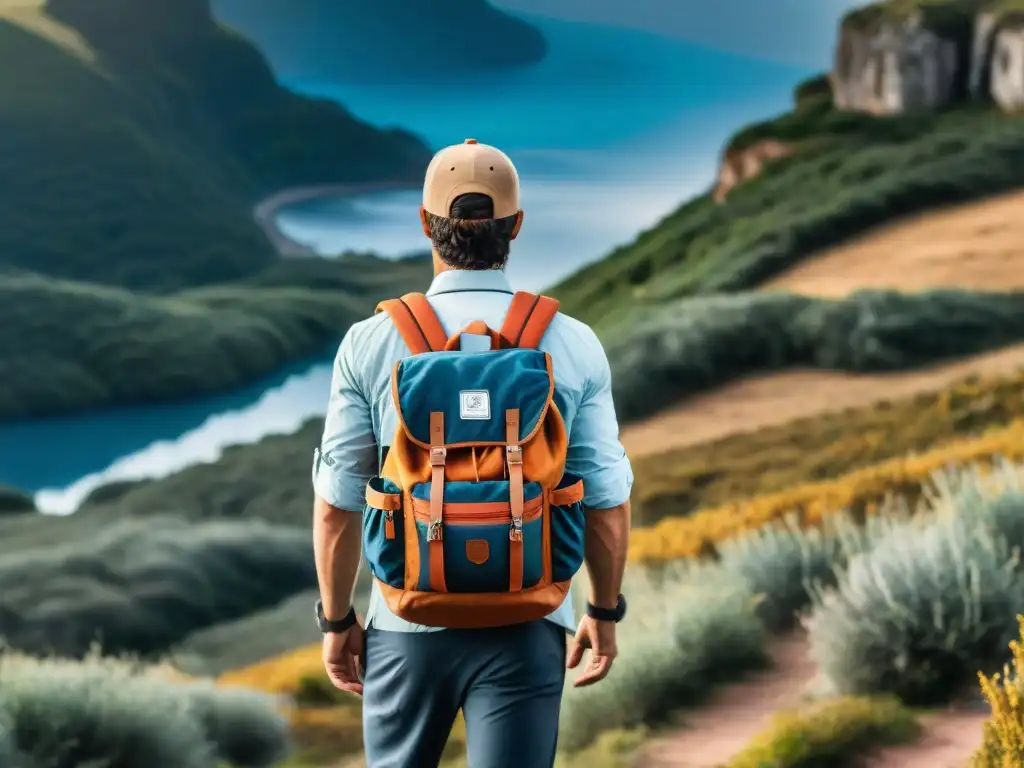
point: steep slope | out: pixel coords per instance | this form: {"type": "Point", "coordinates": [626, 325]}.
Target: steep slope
{"type": "Point", "coordinates": [347, 40]}
{"type": "Point", "coordinates": [136, 136]}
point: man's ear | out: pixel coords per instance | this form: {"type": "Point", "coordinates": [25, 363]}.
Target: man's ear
{"type": "Point", "coordinates": [424, 222]}
{"type": "Point", "coordinates": [519, 223]}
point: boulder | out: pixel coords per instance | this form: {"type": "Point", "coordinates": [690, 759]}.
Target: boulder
{"type": "Point", "coordinates": [1006, 63]}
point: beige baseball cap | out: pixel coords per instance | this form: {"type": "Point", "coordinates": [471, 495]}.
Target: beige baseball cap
{"type": "Point", "coordinates": [471, 167]}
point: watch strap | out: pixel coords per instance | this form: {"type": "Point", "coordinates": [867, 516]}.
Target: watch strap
{"type": "Point", "coordinates": [608, 614]}
{"type": "Point", "coordinates": [338, 625]}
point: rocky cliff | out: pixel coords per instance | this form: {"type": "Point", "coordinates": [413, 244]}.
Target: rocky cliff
{"type": "Point", "coordinates": [919, 55]}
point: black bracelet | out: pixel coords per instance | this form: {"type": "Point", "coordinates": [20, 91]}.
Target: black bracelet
{"type": "Point", "coordinates": [615, 614]}
{"type": "Point", "coordinates": [339, 625]}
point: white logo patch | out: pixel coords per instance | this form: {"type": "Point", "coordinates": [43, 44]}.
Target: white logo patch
{"type": "Point", "coordinates": [475, 404]}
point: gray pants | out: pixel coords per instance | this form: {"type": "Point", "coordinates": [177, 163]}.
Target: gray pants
{"type": "Point", "coordinates": [508, 683]}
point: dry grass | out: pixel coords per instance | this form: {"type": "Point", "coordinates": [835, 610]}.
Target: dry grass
{"type": "Point", "coordinates": [862, 492]}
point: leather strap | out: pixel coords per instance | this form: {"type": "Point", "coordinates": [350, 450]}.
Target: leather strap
{"type": "Point", "coordinates": [537, 324]}
{"type": "Point", "coordinates": [435, 528]}
{"type": "Point", "coordinates": [570, 494]}
{"type": "Point", "coordinates": [515, 319]}
{"type": "Point", "coordinates": [514, 456]}
{"type": "Point", "coordinates": [416, 322]}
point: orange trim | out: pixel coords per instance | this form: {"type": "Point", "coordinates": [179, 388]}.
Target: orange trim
{"type": "Point", "coordinates": [435, 529]}
{"type": "Point", "coordinates": [563, 497]}
{"type": "Point", "coordinates": [515, 319]}
{"type": "Point", "coordinates": [426, 318]}
{"type": "Point", "coordinates": [478, 551]}
{"type": "Point", "coordinates": [538, 323]}
{"type": "Point", "coordinates": [475, 512]}
{"type": "Point", "coordinates": [405, 323]}
{"type": "Point", "coordinates": [467, 611]}
{"type": "Point", "coordinates": [385, 501]}
{"type": "Point", "coordinates": [514, 458]}
{"type": "Point", "coordinates": [545, 560]}
{"type": "Point", "coordinates": [477, 327]}
{"type": "Point", "coordinates": [412, 546]}
{"type": "Point", "coordinates": [476, 443]}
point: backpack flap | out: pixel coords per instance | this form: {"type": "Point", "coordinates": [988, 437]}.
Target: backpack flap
{"type": "Point", "coordinates": [473, 390]}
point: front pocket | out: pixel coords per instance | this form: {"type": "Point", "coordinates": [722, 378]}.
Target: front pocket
{"type": "Point", "coordinates": [383, 531]}
{"type": "Point", "coordinates": [568, 526]}
{"type": "Point", "coordinates": [476, 527]}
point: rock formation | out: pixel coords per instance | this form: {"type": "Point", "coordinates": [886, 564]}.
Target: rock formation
{"type": "Point", "coordinates": [742, 165]}
{"type": "Point", "coordinates": [891, 65]}
{"type": "Point", "coordinates": [1006, 61]}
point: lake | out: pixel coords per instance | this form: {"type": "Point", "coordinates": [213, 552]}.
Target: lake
{"type": "Point", "coordinates": [610, 133]}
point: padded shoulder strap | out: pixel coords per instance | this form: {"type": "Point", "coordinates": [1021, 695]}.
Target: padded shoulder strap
{"type": "Point", "coordinates": [416, 321]}
{"type": "Point", "coordinates": [527, 320]}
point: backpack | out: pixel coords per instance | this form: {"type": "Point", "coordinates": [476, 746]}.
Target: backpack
{"type": "Point", "coordinates": [472, 521]}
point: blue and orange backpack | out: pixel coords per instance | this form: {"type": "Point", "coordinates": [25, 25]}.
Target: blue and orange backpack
{"type": "Point", "coordinates": [472, 521]}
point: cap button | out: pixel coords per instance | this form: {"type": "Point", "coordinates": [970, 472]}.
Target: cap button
{"type": "Point", "coordinates": [471, 141]}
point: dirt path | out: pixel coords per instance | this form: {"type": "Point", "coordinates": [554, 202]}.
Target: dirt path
{"type": "Point", "coordinates": [712, 735]}
{"type": "Point", "coordinates": [978, 246]}
{"type": "Point", "coordinates": [717, 731]}
{"type": "Point", "coordinates": [763, 401]}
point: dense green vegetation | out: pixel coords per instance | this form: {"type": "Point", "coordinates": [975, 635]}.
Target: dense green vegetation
{"type": "Point", "coordinates": [670, 351]}
{"type": "Point", "coordinates": [72, 346]}
{"type": "Point", "coordinates": [325, 41]}
{"type": "Point", "coordinates": [852, 173]}
{"type": "Point", "coordinates": [137, 136]}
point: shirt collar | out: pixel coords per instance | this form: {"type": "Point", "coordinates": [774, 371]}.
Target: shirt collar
{"type": "Point", "coordinates": [460, 280]}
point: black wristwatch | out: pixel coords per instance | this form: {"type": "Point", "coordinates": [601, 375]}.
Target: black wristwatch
{"type": "Point", "coordinates": [615, 614]}
{"type": "Point", "coordinates": [339, 625]}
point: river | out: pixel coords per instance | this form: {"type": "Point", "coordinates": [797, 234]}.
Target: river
{"type": "Point", "coordinates": [610, 133]}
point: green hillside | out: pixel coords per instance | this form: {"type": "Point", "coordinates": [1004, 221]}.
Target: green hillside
{"type": "Point", "coordinates": [135, 136]}
{"type": "Point", "coordinates": [73, 346]}
{"type": "Point", "coordinates": [849, 173]}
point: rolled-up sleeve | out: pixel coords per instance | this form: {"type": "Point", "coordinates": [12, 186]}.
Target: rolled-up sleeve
{"type": "Point", "coordinates": [347, 456]}
{"type": "Point", "coordinates": [595, 453]}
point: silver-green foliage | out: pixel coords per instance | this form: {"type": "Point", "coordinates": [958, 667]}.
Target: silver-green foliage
{"type": "Point", "coordinates": [685, 630]}
{"type": "Point", "coordinates": [932, 601]}
{"type": "Point", "coordinates": [109, 713]}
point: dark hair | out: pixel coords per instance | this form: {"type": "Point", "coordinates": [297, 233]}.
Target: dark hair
{"type": "Point", "coordinates": [471, 238]}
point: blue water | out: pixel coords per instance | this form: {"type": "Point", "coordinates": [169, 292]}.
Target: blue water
{"type": "Point", "coordinates": [610, 133]}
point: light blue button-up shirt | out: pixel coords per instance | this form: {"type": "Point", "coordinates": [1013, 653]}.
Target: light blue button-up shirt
{"type": "Point", "coordinates": [361, 415]}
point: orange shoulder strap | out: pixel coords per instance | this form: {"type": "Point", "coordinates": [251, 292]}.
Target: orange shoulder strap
{"type": "Point", "coordinates": [527, 319]}
{"type": "Point", "coordinates": [416, 321]}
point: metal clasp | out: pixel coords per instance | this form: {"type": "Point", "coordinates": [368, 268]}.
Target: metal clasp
{"type": "Point", "coordinates": [515, 530]}
{"type": "Point", "coordinates": [514, 454]}
{"type": "Point", "coordinates": [438, 454]}
{"type": "Point", "coordinates": [434, 530]}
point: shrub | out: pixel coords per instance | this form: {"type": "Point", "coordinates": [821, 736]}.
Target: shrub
{"type": "Point", "coordinates": [142, 585]}
{"type": "Point", "coordinates": [119, 714]}
{"type": "Point", "coordinates": [862, 492]}
{"type": "Point", "coordinates": [831, 733]}
{"type": "Point", "coordinates": [666, 352]}
{"type": "Point", "coordinates": [1003, 743]}
{"type": "Point", "coordinates": [687, 630]}
{"type": "Point", "coordinates": [928, 604]}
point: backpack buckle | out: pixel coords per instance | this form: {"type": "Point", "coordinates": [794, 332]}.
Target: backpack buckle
{"type": "Point", "coordinates": [514, 454]}
{"type": "Point", "coordinates": [434, 530]}
{"type": "Point", "coordinates": [515, 530]}
{"type": "Point", "coordinates": [438, 454]}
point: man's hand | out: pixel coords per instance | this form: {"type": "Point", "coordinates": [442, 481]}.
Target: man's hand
{"type": "Point", "coordinates": [599, 638]}
{"type": "Point", "coordinates": [343, 652]}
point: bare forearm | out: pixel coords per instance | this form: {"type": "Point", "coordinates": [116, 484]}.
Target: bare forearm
{"type": "Point", "coordinates": [605, 551]}
{"type": "Point", "coordinates": [337, 545]}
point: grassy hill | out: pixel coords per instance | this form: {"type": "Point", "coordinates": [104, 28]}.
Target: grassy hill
{"type": "Point", "coordinates": [136, 135]}
{"type": "Point", "coordinates": [850, 173]}
{"type": "Point", "coordinates": [74, 346]}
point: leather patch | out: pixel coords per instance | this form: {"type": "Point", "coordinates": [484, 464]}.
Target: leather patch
{"type": "Point", "coordinates": [477, 551]}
